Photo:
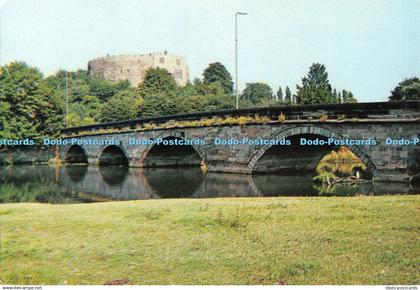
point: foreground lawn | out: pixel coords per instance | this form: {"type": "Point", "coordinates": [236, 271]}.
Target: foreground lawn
{"type": "Point", "coordinates": [285, 240]}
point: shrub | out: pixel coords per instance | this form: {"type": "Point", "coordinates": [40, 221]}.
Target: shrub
{"type": "Point", "coordinates": [282, 118]}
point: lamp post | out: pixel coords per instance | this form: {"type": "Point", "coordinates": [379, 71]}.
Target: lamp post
{"type": "Point", "coordinates": [236, 56]}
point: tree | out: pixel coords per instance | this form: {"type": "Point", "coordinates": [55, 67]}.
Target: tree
{"type": "Point", "coordinates": [279, 95]}
{"type": "Point", "coordinates": [78, 84]}
{"type": "Point", "coordinates": [347, 97]}
{"type": "Point", "coordinates": [104, 89]}
{"type": "Point", "coordinates": [217, 102]}
{"type": "Point", "coordinates": [216, 72]}
{"type": "Point", "coordinates": [85, 112]}
{"type": "Point", "coordinates": [123, 106]}
{"type": "Point", "coordinates": [203, 97]}
{"type": "Point", "coordinates": [28, 102]}
{"type": "Point", "coordinates": [191, 104]}
{"type": "Point", "coordinates": [158, 105]}
{"type": "Point", "coordinates": [407, 90]}
{"type": "Point", "coordinates": [315, 88]}
{"type": "Point", "coordinates": [50, 112]}
{"type": "Point", "coordinates": [257, 93]}
{"type": "Point", "coordinates": [158, 81]}
{"type": "Point", "coordinates": [5, 129]}
{"type": "Point", "coordinates": [339, 99]}
{"type": "Point", "coordinates": [288, 96]}
{"type": "Point", "coordinates": [209, 89]}
{"type": "Point", "coordinates": [335, 97]}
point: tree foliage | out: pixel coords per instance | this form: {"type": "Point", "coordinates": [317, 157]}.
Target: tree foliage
{"type": "Point", "coordinates": [104, 89]}
{"type": "Point", "coordinates": [123, 106]}
{"type": "Point", "coordinates": [347, 97]}
{"type": "Point", "coordinates": [216, 72]}
{"type": "Point", "coordinates": [407, 90]}
{"type": "Point", "coordinates": [257, 93]}
{"type": "Point", "coordinates": [158, 81]}
{"type": "Point", "coordinates": [279, 95]}
{"type": "Point", "coordinates": [288, 96]}
{"type": "Point", "coordinates": [158, 105]}
{"type": "Point", "coordinates": [29, 107]}
{"type": "Point", "coordinates": [85, 111]}
{"type": "Point", "coordinates": [316, 88]}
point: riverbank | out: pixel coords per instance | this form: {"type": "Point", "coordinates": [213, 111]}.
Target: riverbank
{"type": "Point", "coordinates": [283, 240]}
{"type": "Point", "coordinates": [26, 155]}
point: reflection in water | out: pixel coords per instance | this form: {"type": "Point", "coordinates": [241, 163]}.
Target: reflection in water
{"type": "Point", "coordinates": [77, 183]}
{"type": "Point", "coordinates": [174, 182]}
{"type": "Point", "coordinates": [76, 173]}
{"type": "Point", "coordinates": [278, 185]}
{"type": "Point", "coordinates": [113, 174]}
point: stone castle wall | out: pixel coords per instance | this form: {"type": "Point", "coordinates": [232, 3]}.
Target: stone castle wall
{"type": "Point", "coordinates": [133, 67]}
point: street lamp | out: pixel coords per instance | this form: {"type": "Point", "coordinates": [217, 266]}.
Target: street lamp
{"type": "Point", "coordinates": [236, 56]}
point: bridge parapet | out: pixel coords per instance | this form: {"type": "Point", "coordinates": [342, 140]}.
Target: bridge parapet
{"type": "Point", "coordinates": [357, 112]}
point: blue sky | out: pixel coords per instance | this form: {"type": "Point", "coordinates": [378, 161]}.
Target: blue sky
{"type": "Point", "coordinates": [367, 46]}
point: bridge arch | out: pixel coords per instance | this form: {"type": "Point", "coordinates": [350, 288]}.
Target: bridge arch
{"type": "Point", "coordinates": [312, 131]}
{"type": "Point", "coordinates": [75, 154]}
{"type": "Point", "coordinates": [187, 154]}
{"type": "Point", "coordinates": [113, 155]}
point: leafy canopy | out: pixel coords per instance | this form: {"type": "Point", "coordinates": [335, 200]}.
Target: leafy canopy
{"type": "Point", "coordinates": [257, 93]}
{"type": "Point", "coordinates": [316, 88]}
{"type": "Point", "coordinates": [123, 106]}
{"type": "Point", "coordinates": [216, 72]}
{"type": "Point", "coordinates": [27, 103]}
{"type": "Point", "coordinates": [407, 90]}
{"type": "Point", "coordinates": [157, 81]}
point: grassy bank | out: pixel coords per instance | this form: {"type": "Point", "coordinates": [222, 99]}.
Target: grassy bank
{"type": "Point", "coordinates": [286, 240]}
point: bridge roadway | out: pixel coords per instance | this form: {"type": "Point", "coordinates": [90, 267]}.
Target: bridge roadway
{"type": "Point", "coordinates": [361, 121]}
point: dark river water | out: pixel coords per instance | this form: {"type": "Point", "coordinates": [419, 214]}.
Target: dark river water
{"type": "Point", "coordinates": [81, 184]}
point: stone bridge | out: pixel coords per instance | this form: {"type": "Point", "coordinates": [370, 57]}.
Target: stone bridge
{"type": "Point", "coordinates": [363, 121]}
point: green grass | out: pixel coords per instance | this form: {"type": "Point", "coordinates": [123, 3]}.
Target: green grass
{"type": "Point", "coordinates": [285, 240]}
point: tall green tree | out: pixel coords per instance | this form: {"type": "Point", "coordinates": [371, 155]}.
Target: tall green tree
{"type": "Point", "coordinates": [28, 102]}
{"type": "Point", "coordinates": [279, 95]}
{"type": "Point", "coordinates": [216, 72]}
{"type": "Point", "coordinates": [335, 96]}
{"type": "Point", "coordinates": [104, 89]}
{"type": "Point", "coordinates": [288, 96]}
{"type": "Point", "coordinates": [77, 83]}
{"type": "Point", "coordinates": [203, 97]}
{"type": "Point", "coordinates": [407, 90]}
{"type": "Point", "coordinates": [158, 105]}
{"type": "Point", "coordinates": [123, 106]}
{"type": "Point", "coordinates": [347, 97]}
{"type": "Point", "coordinates": [315, 88]}
{"type": "Point", "coordinates": [339, 98]}
{"type": "Point", "coordinates": [257, 93]}
{"type": "Point", "coordinates": [158, 81]}
{"type": "Point", "coordinates": [86, 111]}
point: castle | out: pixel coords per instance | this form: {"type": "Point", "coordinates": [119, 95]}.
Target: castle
{"type": "Point", "coordinates": [133, 67]}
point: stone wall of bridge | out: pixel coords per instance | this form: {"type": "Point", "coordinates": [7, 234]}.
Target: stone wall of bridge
{"type": "Point", "coordinates": [384, 162]}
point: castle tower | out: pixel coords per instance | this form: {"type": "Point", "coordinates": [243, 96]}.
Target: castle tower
{"type": "Point", "coordinates": [133, 67]}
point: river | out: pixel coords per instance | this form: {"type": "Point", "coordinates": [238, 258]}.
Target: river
{"type": "Point", "coordinates": [82, 184]}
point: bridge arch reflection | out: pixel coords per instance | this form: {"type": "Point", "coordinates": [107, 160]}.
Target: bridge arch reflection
{"type": "Point", "coordinates": [76, 173]}
{"type": "Point", "coordinates": [114, 175]}
{"type": "Point", "coordinates": [190, 182]}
